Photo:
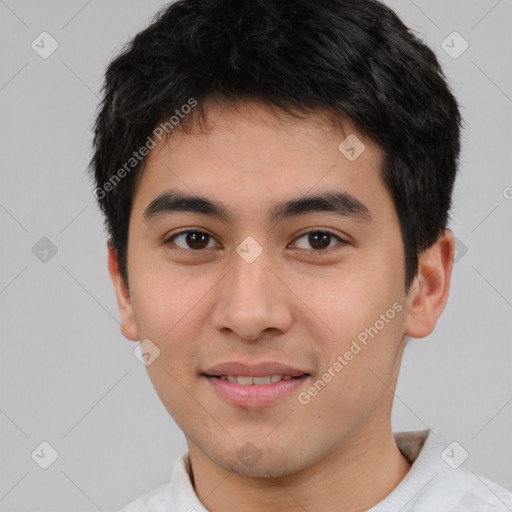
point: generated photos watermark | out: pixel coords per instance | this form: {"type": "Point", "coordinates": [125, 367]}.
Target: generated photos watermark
{"type": "Point", "coordinates": [143, 151]}
{"type": "Point", "coordinates": [304, 397]}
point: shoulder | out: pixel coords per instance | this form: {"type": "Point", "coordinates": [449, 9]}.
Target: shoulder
{"type": "Point", "coordinates": [438, 482]}
{"type": "Point", "coordinates": [177, 495]}
{"type": "Point", "coordinates": [155, 500]}
{"type": "Point", "coordinates": [461, 490]}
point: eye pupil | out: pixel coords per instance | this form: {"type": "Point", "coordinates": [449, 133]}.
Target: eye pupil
{"type": "Point", "coordinates": [319, 239]}
{"type": "Point", "coordinates": [197, 240]}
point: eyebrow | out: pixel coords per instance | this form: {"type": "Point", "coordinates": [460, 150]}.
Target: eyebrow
{"type": "Point", "coordinates": [339, 203]}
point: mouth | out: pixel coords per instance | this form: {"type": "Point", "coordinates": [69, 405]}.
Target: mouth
{"type": "Point", "coordinates": [254, 385]}
{"type": "Point", "coordinates": [247, 380]}
{"type": "Point", "coordinates": [248, 391]}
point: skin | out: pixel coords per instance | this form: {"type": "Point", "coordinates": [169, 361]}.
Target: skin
{"type": "Point", "coordinates": [289, 305]}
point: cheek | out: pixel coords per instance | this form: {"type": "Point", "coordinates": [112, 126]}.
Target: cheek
{"type": "Point", "coordinates": [170, 311]}
{"type": "Point", "coordinates": [168, 303]}
{"type": "Point", "coordinates": [348, 300]}
{"type": "Point", "coordinates": [365, 317]}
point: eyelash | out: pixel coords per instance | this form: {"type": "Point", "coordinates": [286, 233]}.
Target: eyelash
{"type": "Point", "coordinates": [198, 251]}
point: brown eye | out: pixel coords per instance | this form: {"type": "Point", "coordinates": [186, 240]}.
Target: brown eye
{"type": "Point", "coordinates": [317, 240]}
{"type": "Point", "coordinates": [192, 240]}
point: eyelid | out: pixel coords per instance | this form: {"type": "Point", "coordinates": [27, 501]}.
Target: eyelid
{"type": "Point", "coordinates": [340, 239]}
{"type": "Point", "coordinates": [320, 230]}
{"type": "Point", "coordinates": [170, 238]}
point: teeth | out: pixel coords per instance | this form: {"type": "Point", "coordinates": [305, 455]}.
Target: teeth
{"type": "Point", "coordinates": [258, 381]}
{"type": "Point", "coordinates": [262, 380]}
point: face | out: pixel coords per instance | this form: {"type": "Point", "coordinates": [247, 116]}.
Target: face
{"type": "Point", "coordinates": [290, 263]}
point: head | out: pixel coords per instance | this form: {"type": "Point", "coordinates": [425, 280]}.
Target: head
{"type": "Point", "coordinates": [225, 120]}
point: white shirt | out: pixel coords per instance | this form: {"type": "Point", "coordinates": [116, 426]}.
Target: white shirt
{"type": "Point", "coordinates": [431, 485]}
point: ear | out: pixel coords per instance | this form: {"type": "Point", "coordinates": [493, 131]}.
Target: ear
{"type": "Point", "coordinates": [129, 327]}
{"type": "Point", "coordinates": [429, 291]}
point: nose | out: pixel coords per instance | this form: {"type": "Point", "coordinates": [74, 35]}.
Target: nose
{"type": "Point", "coordinates": [253, 302]}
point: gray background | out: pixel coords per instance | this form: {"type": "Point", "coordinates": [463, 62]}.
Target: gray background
{"type": "Point", "coordinates": [68, 375]}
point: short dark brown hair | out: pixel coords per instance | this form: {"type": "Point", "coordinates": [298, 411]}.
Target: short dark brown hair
{"type": "Point", "coordinates": [352, 58]}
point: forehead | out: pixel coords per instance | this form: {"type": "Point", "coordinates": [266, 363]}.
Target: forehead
{"type": "Point", "coordinates": [252, 156]}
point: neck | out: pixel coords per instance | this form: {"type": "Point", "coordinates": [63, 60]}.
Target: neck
{"type": "Point", "coordinates": [354, 477]}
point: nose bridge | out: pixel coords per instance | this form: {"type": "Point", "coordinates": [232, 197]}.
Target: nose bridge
{"type": "Point", "coordinates": [251, 301]}
{"type": "Point", "coordinates": [249, 280]}
{"type": "Point", "coordinates": [249, 285]}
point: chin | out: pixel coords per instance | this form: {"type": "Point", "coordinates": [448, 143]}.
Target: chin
{"type": "Point", "coordinates": [250, 462]}
{"type": "Point", "coordinates": [260, 470]}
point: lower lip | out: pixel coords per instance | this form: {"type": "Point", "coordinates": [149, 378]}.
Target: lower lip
{"type": "Point", "coordinates": [255, 395]}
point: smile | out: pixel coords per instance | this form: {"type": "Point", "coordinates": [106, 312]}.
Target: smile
{"type": "Point", "coordinates": [258, 381]}
{"type": "Point", "coordinates": [254, 392]}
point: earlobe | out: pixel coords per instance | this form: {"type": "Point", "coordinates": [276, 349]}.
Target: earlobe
{"type": "Point", "coordinates": [429, 292]}
{"type": "Point", "coordinates": [129, 327]}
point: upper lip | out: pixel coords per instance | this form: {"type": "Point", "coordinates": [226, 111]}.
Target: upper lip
{"type": "Point", "coordinates": [254, 370]}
